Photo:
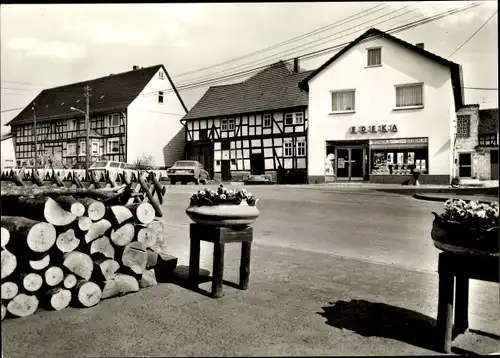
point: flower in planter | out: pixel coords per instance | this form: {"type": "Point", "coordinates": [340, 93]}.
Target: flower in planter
{"type": "Point", "coordinates": [222, 196]}
{"type": "Point", "coordinates": [472, 214]}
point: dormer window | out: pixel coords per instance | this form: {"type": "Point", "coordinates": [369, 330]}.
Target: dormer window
{"type": "Point", "coordinates": [374, 57]}
{"type": "Point", "coordinates": [160, 75]}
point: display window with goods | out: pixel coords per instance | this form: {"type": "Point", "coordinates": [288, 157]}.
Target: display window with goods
{"type": "Point", "coordinates": [399, 161]}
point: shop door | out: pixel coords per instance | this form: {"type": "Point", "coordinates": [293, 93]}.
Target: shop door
{"type": "Point", "coordinates": [342, 159]}
{"type": "Point", "coordinates": [226, 170]}
{"type": "Point", "coordinates": [494, 164]}
{"type": "Point", "coordinates": [356, 163]}
{"type": "Point", "coordinates": [464, 165]}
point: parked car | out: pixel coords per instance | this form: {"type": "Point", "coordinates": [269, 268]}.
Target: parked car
{"type": "Point", "coordinates": [185, 171]}
{"type": "Point", "coordinates": [114, 168]}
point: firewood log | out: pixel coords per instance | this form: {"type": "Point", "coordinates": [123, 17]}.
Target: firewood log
{"type": "Point", "coordinates": [97, 229]}
{"type": "Point", "coordinates": [153, 202]}
{"type": "Point", "coordinates": [123, 235]}
{"type": "Point", "coordinates": [9, 290]}
{"type": "Point", "coordinates": [107, 267]}
{"type": "Point", "coordinates": [104, 246]}
{"type": "Point", "coordinates": [86, 293]}
{"type": "Point", "coordinates": [53, 276]}
{"type": "Point", "coordinates": [135, 256]}
{"type": "Point", "coordinates": [94, 180]}
{"type": "Point", "coordinates": [69, 281]}
{"type": "Point", "coordinates": [121, 198]}
{"type": "Point", "coordinates": [95, 209]}
{"type": "Point", "coordinates": [56, 298]}
{"type": "Point", "coordinates": [4, 236]}
{"type": "Point", "coordinates": [118, 214]}
{"type": "Point", "coordinates": [143, 212]}
{"type": "Point", "coordinates": [31, 282]}
{"type": "Point", "coordinates": [79, 263]}
{"type": "Point", "coordinates": [148, 279]}
{"type": "Point", "coordinates": [39, 208]}
{"type": "Point", "coordinates": [118, 285]}
{"type": "Point", "coordinates": [147, 236]}
{"type": "Point", "coordinates": [38, 236]}
{"type": "Point", "coordinates": [160, 243]}
{"type": "Point", "coordinates": [67, 241]}
{"type": "Point", "coordinates": [17, 180]}
{"type": "Point", "coordinates": [41, 264]}
{"type": "Point", "coordinates": [69, 203]}
{"type": "Point", "coordinates": [23, 305]}
{"type": "Point", "coordinates": [7, 191]}
{"type": "Point", "coordinates": [4, 312]}
{"type": "Point", "coordinates": [9, 263]}
{"type": "Point", "coordinates": [136, 191]}
{"type": "Point", "coordinates": [57, 180]}
{"type": "Point", "coordinates": [84, 223]}
{"type": "Point", "coordinates": [76, 180]}
{"type": "Point", "coordinates": [36, 178]}
{"type": "Point", "coordinates": [160, 189]}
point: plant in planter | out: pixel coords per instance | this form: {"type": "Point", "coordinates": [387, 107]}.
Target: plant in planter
{"type": "Point", "coordinates": [471, 225]}
{"type": "Point", "coordinates": [223, 207]}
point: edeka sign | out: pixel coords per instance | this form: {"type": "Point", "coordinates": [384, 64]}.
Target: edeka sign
{"type": "Point", "coordinates": [374, 129]}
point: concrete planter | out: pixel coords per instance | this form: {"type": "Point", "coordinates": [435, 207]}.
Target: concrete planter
{"type": "Point", "coordinates": [232, 216]}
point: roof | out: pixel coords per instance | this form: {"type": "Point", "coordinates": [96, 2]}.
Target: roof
{"type": "Point", "coordinates": [455, 69]}
{"type": "Point", "coordinates": [275, 87]}
{"type": "Point", "coordinates": [112, 93]}
{"type": "Point", "coordinates": [488, 121]}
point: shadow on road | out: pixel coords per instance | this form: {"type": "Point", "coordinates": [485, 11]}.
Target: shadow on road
{"type": "Point", "coordinates": [381, 320]}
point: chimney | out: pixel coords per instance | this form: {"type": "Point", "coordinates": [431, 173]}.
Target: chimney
{"type": "Point", "coordinates": [135, 67]}
{"type": "Point", "coordinates": [296, 64]}
{"type": "Point", "coordinates": [420, 45]}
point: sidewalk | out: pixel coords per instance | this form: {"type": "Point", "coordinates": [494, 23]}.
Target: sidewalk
{"type": "Point", "coordinates": [443, 197]}
{"type": "Point", "coordinates": [298, 304]}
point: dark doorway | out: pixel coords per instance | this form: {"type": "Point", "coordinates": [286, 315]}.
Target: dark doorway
{"type": "Point", "coordinates": [494, 164]}
{"type": "Point", "coordinates": [464, 165]}
{"type": "Point", "coordinates": [257, 164]}
{"type": "Point", "coordinates": [357, 163]}
{"type": "Point", "coordinates": [342, 163]}
{"type": "Point", "coordinates": [226, 170]}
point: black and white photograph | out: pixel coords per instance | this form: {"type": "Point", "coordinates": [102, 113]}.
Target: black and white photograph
{"type": "Point", "coordinates": [249, 179]}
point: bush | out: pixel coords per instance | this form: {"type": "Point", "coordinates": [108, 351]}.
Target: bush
{"type": "Point", "coordinates": [144, 162]}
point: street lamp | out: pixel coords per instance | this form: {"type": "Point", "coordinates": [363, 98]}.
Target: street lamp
{"type": "Point", "coordinates": [87, 159]}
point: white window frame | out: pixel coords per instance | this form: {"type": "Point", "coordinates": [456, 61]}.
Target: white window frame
{"type": "Point", "coordinates": [231, 124]}
{"type": "Point", "coordinates": [350, 90]}
{"type": "Point", "coordinates": [110, 147]}
{"type": "Point", "coordinates": [368, 57]}
{"type": "Point", "coordinates": [72, 127]}
{"type": "Point", "coordinates": [421, 84]}
{"type": "Point", "coordinates": [110, 120]}
{"type": "Point", "coordinates": [160, 97]}
{"type": "Point", "coordinates": [299, 147]}
{"type": "Point", "coordinates": [295, 120]}
{"type": "Point", "coordinates": [94, 142]}
{"type": "Point", "coordinates": [71, 152]}
{"type": "Point", "coordinates": [160, 75]}
{"type": "Point", "coordinates": [223, 125]}
{"type": "Point", "coordinates": [267, 120]}
{"type": "Point", "coordinates": [83, 150]}
{"type": "Point", "coordinates": [287, 148]}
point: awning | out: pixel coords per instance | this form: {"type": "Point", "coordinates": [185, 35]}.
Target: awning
{"type": "Point", "coordinates": [399, 143]}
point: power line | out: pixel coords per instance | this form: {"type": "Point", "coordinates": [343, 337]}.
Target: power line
{"type": "Point", "coordinates": [474, 34]}
{"type": "Point", "coordinates": [481, 88]}
{"type": "Point", "coordinates": [280, 44]}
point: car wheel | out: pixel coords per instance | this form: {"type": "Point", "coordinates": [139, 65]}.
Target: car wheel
{"type": "Point", "coordinates": [203, 181]}
{"type": "Point", "coordinates": [197, 181]}
{"type": "Point", "coordinates": [172, 182]}
{"type": "Point", "coordinates": [183, 182]}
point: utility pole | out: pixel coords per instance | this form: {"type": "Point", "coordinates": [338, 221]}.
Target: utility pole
{"type": "Point", "coordinates": [87, 90]}
{"type": "Point", "coordinates": [35, 134]}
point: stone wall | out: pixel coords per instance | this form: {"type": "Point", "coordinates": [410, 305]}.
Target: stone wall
{"type": "Point", "coordinates": [481, 166]}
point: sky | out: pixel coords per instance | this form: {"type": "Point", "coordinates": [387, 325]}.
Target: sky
{"type": "Point", "coordinates": [43, 46]}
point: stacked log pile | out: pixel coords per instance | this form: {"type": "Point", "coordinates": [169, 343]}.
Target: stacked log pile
{"type": "Point", "coordinates": [62, 246]}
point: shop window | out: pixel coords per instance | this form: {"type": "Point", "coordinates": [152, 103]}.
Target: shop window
{"type": "Point", "coordinates": [399, 161]}
{"type": "Point", "coordinates": [343, 101]}
{"type": "Point", "coordinates": [463, 126]}
{"type": "Point", "coordinates": [288, 149]}
{"type": "Point", "coordinates": [301, 148]}
{"type": "Point", "coordinates": [410, 95]}
{"type": "Point", "coordinates": [374, 57]}
{"type": "Point", "coordinates": [267, 120]}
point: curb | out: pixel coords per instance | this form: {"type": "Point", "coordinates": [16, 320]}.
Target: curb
{"type": "Point", "coordinates": [428, 198]}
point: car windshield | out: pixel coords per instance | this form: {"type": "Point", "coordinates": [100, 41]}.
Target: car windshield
{"type": "Point", "coordinates": [185, 163]}
{"type": "Point", "coordinates": [99, 165]}
{"type": "Point", "coordinates": [114, 165]}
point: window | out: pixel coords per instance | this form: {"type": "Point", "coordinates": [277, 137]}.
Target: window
{"type": "Point", "coordinates": [343, 101]}
{"type": "Point", "coordinates": [82, 147]}
{"type": "Point", "coordinates": [488, 139]}
{"type": "Point", "coordinates": [114, 165]}
{"type": "Point", "coordinates": [223, 125]}
{"type": "Point", "coordinates": [71, 149]}
{"type": "Point", "coordinates": [294, 118]}
{"type": "Point", "coordinates": [160, 97]}
{"type": "Point", "coordinates": [72, 125]}
{"type": "Point", "coordinates": [301, 148]}
{"type": "Point", "coordinates": [463, 126]}
{"type": "Point", "coordinates": [231, 124]}
{"type": "Point", "coordinates": [95, 148]}
{"type": "Point", "coordinates": [114, 120]}
{"type": "Point", "coordinates": [203, 134]}
{"type": "Point", "coordinates": [113, 145]}
{"type": "Point", "coordinates": [288, 149]}
{"type": "Point", "coordinates": [409, 96]}
{"type": "Point", "coordinates": [225, 145]}
{"type": "Point", "coordinates": [267, 120]}
{"type": "Point", "coordinates": [160, 75]}
{"type": "Point", "coordinates": [374, 57]}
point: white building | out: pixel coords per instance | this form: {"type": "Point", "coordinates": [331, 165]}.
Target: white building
{"type": "Point", "coordinates": [380, 108]}
{"type": "Point", "coordinates": [131, 113]}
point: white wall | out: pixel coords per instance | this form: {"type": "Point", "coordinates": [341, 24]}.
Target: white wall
{"type": "Point", "coordinates": [152, 125]}
{"type": "Point", "coordinates": [375, 100]}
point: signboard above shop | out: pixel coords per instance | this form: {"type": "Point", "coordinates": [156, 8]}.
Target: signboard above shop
{"type": "Point", "coordinates": [399, 143]}
{"type": "Point", "coordinates": [373, 129]}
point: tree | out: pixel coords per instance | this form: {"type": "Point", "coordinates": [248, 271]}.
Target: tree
{"type": "Point", "coordinates": [144, 162]}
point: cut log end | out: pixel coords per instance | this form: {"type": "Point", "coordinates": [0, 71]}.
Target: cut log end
{"type": "Point", "coordinates": [121, 213]}
{"type": "Point", "coordinates": [41, 237]}
{"type": "Point", "coordinates": [96, 211]}
{"type": "Point", "coordinates": [104, 246]}
{"type": "Point", "coordinates": [32, 282]}
{"type": "Point", "coordinates": [135, 256]}
{"type": "Point", "coordinates": [54, 276]}
{"type": "Point", "coordinates": [40, 264]}
{"type": "Point", "coordinates": [56, 215]}
{"type": "Point", "coordinates": [70, 281]}
{"type": "Point", "coordinates": [97, 229]}
{"type": "Point", "coordinates": [118, 285]}
{"type": "Point", "coordinates": [124, 235]}
{"type": "Point", "coordinates": [108, 267]}
{"type": "Point", "coordinates": [23, 305]}
{"type": "Point", "coordinates": [84, 223]}
{"type": "Point", "coordinates": [4, 236]}
{"type": "Point", "coordinates": [148, 279]}
{"type": "Point", "coordinates": [79, 263]}
{"type": "Point", "coordinates": [9, 263]}
{"type": "Point", "coordinates": [59, 298]}
{"type": "Point", "coordinates": [147, 236]}
{"type": "Point", "coordinates": [67, 241]}
{"type": "Point", "coordinates": [145, 213]}
{"type": "Point", "coordinates": [88, 293]}
{"type": "Point", "coordinates": [9, 290]}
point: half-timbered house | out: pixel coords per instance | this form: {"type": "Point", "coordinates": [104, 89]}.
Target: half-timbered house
{"type": "Point", "coordinates": [131, 113]}
{"type": "Point", "coordinates": [252, 127]}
